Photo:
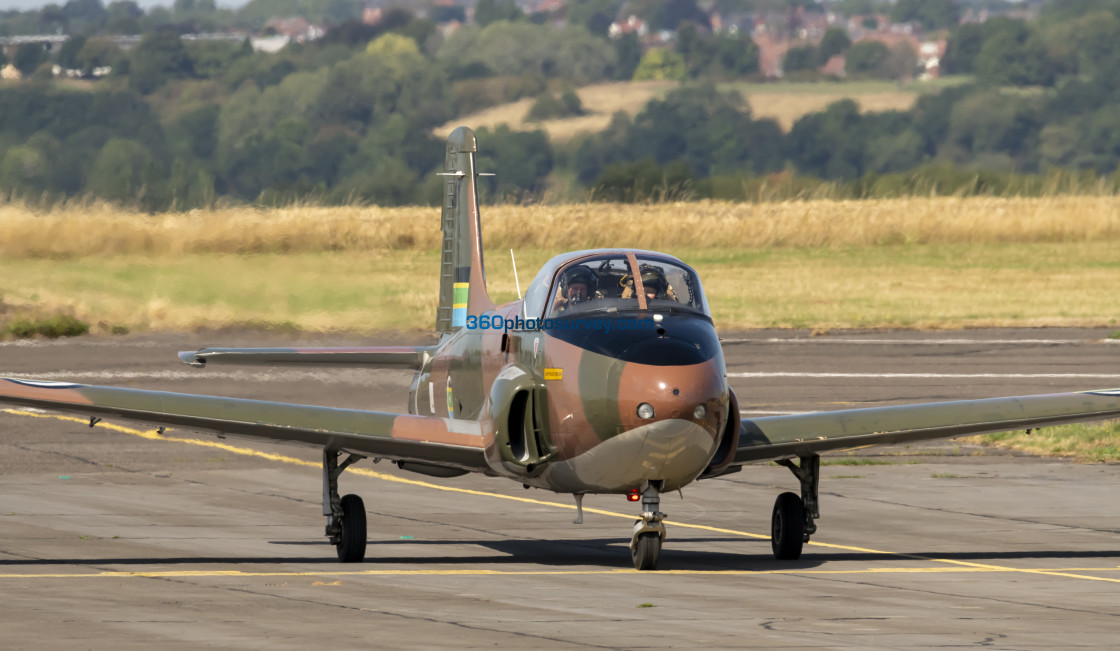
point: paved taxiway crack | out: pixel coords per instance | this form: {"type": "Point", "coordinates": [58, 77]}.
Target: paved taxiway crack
{"type": "Point", "coordinates": [526, 638]}
{"type": "Point", "coordinates": [987, 516]}
{"type": "Point", "coordinates": [64, 455]}
{"type": "Point", "coordinates": [957, 595]}
{"type": "Point", "coordinates": [774, 626]}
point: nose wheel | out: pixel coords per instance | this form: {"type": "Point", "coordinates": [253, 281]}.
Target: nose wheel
{"type": "Point", "coordinates": [649, 531]}
{"type": "Point", "coordinates": [645, 550]}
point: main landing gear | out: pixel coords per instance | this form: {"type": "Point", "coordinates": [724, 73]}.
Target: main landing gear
{"type": "Point", "coordinates": [346, 516]}
{"type": "Point", "coordinates": [792, 522]}
{"type": "Point", "coordinates": [649, 532]}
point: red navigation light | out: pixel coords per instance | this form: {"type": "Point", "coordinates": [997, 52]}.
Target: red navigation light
{"type": "Point", "coordinates": [633, 495]}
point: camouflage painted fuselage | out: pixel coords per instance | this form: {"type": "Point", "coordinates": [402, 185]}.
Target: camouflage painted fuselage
{"type": "Point", "coordinates": [558, 404]}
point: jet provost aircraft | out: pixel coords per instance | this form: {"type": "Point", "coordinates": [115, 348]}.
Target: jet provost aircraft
{"type": "Point", "coordinates": [608, 377]}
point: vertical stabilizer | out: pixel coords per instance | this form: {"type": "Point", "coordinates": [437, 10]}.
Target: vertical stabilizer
{"type": "Point", "coordinates": [462, 278]}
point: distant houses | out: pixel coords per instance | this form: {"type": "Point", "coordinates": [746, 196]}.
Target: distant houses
{"type": "Point", "coordinates": [774, 32]}
{"type": "Point", "coordinates": [279, 32]}
{"type": "Point", "coordinates": [296, 28]}
{"type": "Point", "coordinates": [631, 25]}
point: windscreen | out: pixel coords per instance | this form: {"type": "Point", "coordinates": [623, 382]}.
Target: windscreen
{"type": "Point", "coordinates": [607, 283]}
{"type": "Point", "coordinates": [669, 285]}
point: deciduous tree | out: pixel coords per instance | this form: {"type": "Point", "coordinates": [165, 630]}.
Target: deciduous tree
{"type": "Point", "coordinates": [660, 63]}
{"type": "Point", "coordinates": [492, 11]}
{"type": "Point", "coordinates": [868, 59]}
{"type": "Point", "coordinates": [159, 58]}
{"type": "Point", "coordinates": [800, 59]}
{"type": "Point", "coordinates": [835, 41]}
{"type": "Point", "coordinates": [1007, 60]}
{"type": "Point", "coordinates": [28, 57]}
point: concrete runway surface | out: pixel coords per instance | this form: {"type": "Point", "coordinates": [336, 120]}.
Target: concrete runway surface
{"type": "Point", "coordinates": [112, 538]}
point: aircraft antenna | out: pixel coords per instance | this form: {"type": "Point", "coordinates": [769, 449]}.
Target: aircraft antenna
{"type": "Point", "coordinates": [514, 261]}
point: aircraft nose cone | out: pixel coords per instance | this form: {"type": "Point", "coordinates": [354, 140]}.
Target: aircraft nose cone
{"type": "Point", "coordinates": [674, 392]}
{"type": "Point", "coordinates": [672, 451]}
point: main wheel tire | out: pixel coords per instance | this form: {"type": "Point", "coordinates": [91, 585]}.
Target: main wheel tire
{"type": "Point", "coordinates": [352, 543]}
{"type": "Point", "coordinates": [646, 551]}
{"type": "Point", "coordinates": [787, 527]}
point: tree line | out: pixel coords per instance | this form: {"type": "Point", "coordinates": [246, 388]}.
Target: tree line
{"type": "Point", "coordinates": [350, 118]}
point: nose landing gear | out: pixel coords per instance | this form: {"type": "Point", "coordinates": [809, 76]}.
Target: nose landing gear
{"type": "Point", "coordinates": [649, 532]}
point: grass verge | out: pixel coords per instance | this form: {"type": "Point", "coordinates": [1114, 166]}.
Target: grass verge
{"type": "Point", "coordinates": [62, 325]}
{"type": "Point", "coordinates": [1094, 442]}
{"type": "Point", "coordinates": [898, 286]}
{"type": "Point", "coordinates": [32, 321]}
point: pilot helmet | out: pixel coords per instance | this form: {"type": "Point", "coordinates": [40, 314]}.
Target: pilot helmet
{"type": "Point", "coordinates": [654, 278]}
{"type": "Point", "coordinates": [581, 274]}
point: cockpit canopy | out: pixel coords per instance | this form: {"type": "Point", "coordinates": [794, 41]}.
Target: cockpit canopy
{"type": "Point", "coordinates": [612, 282]}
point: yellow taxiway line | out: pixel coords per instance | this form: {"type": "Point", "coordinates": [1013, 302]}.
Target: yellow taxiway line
{"type": "Point", "coordinates": [953, 565]}
{"type": "Point", "coordinates": [109, 574]}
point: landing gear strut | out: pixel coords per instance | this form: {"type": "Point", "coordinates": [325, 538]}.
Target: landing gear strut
{"type": "Point", "coordinates": [346, 516]}
{"type": "Point", "coordinates": [792, 523]}
{"type": "Point", "coordinates": [649, 532]}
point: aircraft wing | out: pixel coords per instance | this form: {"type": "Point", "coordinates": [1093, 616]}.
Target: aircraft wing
{"type": "Point", "coordinates": [777, 437]}
{"type": "Point", "coordinates": [406, 357]}
{"type": "Point", "coordinates": [425, 439]}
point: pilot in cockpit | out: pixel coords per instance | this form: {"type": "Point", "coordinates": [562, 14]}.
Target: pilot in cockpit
{"type": "Point", "coordinates": [579, 286]}
{"type": "Point", "coordinates": [653, 281]}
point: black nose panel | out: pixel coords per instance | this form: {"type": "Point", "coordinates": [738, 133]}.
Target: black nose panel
{"type": "Point", "coordinates": [675, 340]}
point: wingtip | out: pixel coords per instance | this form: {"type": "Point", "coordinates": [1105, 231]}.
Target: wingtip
{"type": "Point", "coordinates": [191, 358]}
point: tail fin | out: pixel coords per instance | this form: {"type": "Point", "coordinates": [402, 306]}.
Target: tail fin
{"type": "Point", "coordinates": [462, 278]}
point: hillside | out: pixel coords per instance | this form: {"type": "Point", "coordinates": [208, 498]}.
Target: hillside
{"type": "Point", "coordinates": [784, 102]}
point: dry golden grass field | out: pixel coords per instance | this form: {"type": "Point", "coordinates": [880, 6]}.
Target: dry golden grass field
{"type": "Point", "coordinates": [784, 102]}
{"type": "Point", "coordinates": [913, 263]}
